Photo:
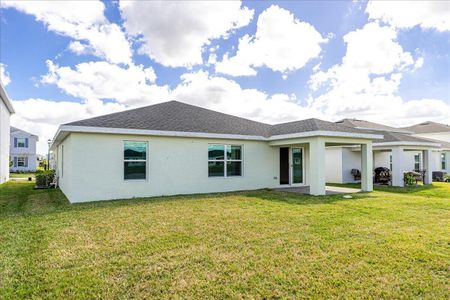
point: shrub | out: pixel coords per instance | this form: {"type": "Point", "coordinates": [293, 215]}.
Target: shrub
{"type": "Point", "coordinates": [43, 179]}
{"type": "Point", "coordinates": [409, 179]}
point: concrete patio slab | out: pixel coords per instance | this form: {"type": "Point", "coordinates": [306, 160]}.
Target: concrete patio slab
{"type": "Point", "coordinates": [330, 190]}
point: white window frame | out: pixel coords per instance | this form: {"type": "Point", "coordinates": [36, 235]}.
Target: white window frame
{"type": "Point", "coordinates": [443, 161]}
{"type": "Point", "coordinates": [225, 160]}
{"type": "Point", "coordinates": [419, 162]}
{"type": "Point", "coordinates": [19, 158]}
{"type": "Point", "coordinates": [135, 160]}
{"type": "Point", "coordinates": [24, 142]}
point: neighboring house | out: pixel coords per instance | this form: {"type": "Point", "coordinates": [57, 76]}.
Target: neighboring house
{"type": "Point", "coordinates": [176, 148]}
{"type": "Point", "coordinates": [23, 151]}
{"type": "Point", "coordinates": [6, 110]}
{"type": "Point", "coordinates": [399, 150]}
{"type": "Point", "coordinates": [435, 131]}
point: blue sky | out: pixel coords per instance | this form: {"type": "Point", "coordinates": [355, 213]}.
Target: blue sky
{"type": "Point", "coordinates": [327, 59]}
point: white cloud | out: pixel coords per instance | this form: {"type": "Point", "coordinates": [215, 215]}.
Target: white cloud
{"type": "Point", "coordinates": [133, 85]}
{"type": "Point", "coordinates": [175, 33]}
{"type": "Point", "coordinates": [4, 75]}
{"type": "Point", "coordinates": [225, 95]}
{"type": "Point", "coordinates": [281, 43]}
{"type": "Point", "coordinates": [42, 117]}
{"type": "Point", "coordinates": [366, 83]}
{"type": "Point", "coordinates": [407, 14]}
{"type": "Point", "coordinates": [83, 21]}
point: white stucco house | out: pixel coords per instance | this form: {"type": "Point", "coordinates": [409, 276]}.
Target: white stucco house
{"type": "Point", "coordinates": [400, 150]}
{"type": "Point", "coordinates": [175, 148]}
{"type": "Point", "coordinates": [23, 150]}
{"type": "Point", "coordinates": [6, 110]}
{"type": "Point", "coordinates": [438, 132]}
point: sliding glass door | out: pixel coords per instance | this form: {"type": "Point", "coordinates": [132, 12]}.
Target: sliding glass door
{"type": "Point", "coordinates": [297, 165]}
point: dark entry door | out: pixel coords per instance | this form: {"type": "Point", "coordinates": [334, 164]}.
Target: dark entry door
{"type": "Point", "coordinates": [284, 165]}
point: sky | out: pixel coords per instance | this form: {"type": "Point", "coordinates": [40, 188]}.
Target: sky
{"type": "Point", "coordinates": [269, 61]}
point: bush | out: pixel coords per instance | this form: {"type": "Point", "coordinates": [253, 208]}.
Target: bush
{"type": "Point", "coordinates": [43, 179]}
{"type": "Point", "coordinates": [409, 178]}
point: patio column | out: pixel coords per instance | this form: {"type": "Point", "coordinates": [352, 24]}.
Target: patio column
{"type": "Point", "coordinates": [397, 166]}
{"type": "Point", "coordinates": [317, 167]}
{"type": "Point", "coordinates": [366, 167]}
{"type": "Point", "coordinates": [427, 157]}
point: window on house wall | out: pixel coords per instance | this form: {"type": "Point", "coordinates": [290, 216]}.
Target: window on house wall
{"type": "Point", "coordinates": [443, 161]}
{"type": "Point", "coordinates": [417, 162]}
{"type": "Point", "coordinates": [135, 160]}
{"type": "Point", "coordinates": [20, 142]}
{"type": "Point", "coordinates": [390, 162]}
{"type": "Point", "coordinates": [21, 161]}
{"type": "Point", "coordinates": [224, 160]}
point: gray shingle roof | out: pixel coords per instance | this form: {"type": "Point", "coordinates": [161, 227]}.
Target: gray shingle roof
{"type": "Point", "coordinates": [178, 116]}
{"type": "Point", "coordinates": [310, 125]}
{"type": "Point", "coordinates": [362, 124]}
{"type": "Point", "coordinates": [389, 136]}
{"type": "Point", "coordinates": [428, 127]}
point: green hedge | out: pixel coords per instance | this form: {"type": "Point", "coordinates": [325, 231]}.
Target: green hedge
{"type": "Point", "coordinates": [43, 179]}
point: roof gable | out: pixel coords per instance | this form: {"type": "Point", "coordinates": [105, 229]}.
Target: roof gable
{"type": "Point", "coordinates": [362, 124]}
{"type": "Point", "coordinates": [428, 127]}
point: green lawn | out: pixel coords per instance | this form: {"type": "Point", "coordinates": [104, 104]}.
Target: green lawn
{"type": "Point", "coordinates": [261, 244]}
{"type": "Point", "coordinates": [22, 175]}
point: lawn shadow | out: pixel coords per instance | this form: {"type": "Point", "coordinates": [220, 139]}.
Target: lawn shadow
{"type": "Point", "coordinates": [303, 199]}
{"type": "Point", "coordinates": [434, 189]}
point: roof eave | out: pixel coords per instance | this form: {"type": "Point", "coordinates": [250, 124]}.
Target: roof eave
{"type": "Point", "coordinates": [6, 99]}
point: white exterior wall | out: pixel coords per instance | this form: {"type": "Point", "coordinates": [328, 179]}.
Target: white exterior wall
{"type": "Point", "coordinates": [334, 164]}
{"type": "Point", "coordinates": [29, 152]}
{"type": "Point", "coordinates": [350, 160]}
{"type": "Point", "coordinates": [4, 142]}
{"type": "Point", "coordinates": [93, 167]}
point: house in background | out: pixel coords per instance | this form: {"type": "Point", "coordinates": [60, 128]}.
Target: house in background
{"type": "Point", "coordinates": [175, 148]}
{"type": "Point", "coordinates": [439, 132]}
{"type": "Point", "coordinates": [23, 150]}
{"type": "Point", "coordinates": [399, 151]}
{"type": "Point", "coordinates": [6, 110]}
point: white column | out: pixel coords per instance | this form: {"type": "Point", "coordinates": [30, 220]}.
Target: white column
{"type": "Point", "coordinates": [427, 157]}
{"type": "Point", "coordinates": [397, 166]}
{"type": "Point", "coordinates": [367, 167]}
{"type": "Point", "coordinates": [317, 167]}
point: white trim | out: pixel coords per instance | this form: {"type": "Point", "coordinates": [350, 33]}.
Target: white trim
{"type": "Point", "coordinates": [6, 99]}
{"type": "Point", "coordinates": [88, 129]}
{"type": "Point", "coordinates": [404, 143]}
{"type": "Point", "coordinates": [325, 133]}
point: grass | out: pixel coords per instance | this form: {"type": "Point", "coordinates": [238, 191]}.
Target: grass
{"type": "Point", "coordinates": [22, 175]}
{"type": "Point", "coordinates": [259, 244]}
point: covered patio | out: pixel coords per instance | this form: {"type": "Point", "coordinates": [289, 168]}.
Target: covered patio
{"type": "Point", "coordinates": [307, 156]}
{"type": "Point", "coordinates": [402, 159]}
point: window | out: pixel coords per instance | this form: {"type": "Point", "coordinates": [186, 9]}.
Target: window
{"type": "Point", "coordinates": [390, 162]}
{"type": "Point", "coordinates": [135, 160]}
{"type": "Point", "coordinates": [224, 160]}
{"type": "Point", "coordinates": [22, 161]}
{"type": "Point", "coordinates": [417, 162]}
{"type": "Point", "coordinates": [443, 162]}
{"type": "Point", "coordinates": [21, 142]}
